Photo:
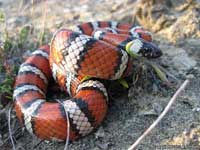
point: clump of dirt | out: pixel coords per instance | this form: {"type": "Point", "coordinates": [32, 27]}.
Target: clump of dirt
{"type": "Point", "coordinates": [175, 20]}
{"type": "Point", "coordinates": [175, 27]}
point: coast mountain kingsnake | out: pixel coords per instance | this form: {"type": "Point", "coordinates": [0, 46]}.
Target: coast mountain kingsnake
{"type": "Point", "coordinates": [97, 50]}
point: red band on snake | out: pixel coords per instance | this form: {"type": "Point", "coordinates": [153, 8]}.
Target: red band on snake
{"type": "Point", "coordinates": [97, 50]}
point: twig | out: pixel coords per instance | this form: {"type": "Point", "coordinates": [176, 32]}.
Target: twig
{"type": "Point", "coordinates": [68, 126]}
{"type": "Point", "coordinates": [41, 36]}
{"type": "Point", "coordinates": [182, 87]}
{"type": "Point", "coordinates": [9, 128]}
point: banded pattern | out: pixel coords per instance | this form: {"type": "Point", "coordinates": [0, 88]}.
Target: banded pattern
{"type": "Point", "coordinates": [28, 68]}
{"type": "Point", "coordinates": [93, 84]}
{"type": "Point", "coordinates": [137, 45]}
{"type": "Point", "coordinates": [114, 27]}
{"type": "Point", "coordinates": [96, 50]}
{"type": "Point", "coordinates": [35, 113]}
{"type": "Point", "coordinates": [85, 55]}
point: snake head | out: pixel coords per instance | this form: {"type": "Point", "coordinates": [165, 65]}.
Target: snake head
{"type": "Point", "coordinates": [147, 49]}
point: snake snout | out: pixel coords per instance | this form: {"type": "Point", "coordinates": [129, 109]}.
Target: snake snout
{"type": "Point", "coordinates": [150, 50]}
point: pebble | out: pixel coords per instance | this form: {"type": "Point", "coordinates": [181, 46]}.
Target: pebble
{"type": "Point", "coordinates": [197, 109]}
{"type": "Point", "coordinates": [180, 58]}
{"type": "Point", "coordinates": [103, 146]}
{"type": "Point", "coordinates": [100, 133]}
{"type": "Point", "coordinates": [26, 54]}
{"type": "Point", "coordinates": [157, 108]}
{"type": "Point", "coordinates": [17, 21]}
{"type": "Point", "coordinates": [190, 76]}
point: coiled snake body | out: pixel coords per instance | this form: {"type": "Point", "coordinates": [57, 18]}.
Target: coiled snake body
{"type": "Point", "coordinates": [97, 50]}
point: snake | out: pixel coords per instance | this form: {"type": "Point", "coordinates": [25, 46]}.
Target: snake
{"type": "Point", "coordinates": [78, 60]}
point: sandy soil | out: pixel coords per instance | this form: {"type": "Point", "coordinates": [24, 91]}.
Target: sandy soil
{"type": "Point", "coordinates": [175, 27]}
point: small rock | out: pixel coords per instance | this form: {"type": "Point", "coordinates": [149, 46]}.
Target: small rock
{"type": "Point", "coordinates": [183, 61]}
{"type": "Point", "coordinates": [155, 89]}
{"type": "Point", "coordinates": [196, 109]}
{"type": "Point", "coordinates": [153, 110]}
{"type": "Point", "coordinates": [20, 146]}
{"type": "Point", "coordinates": [190, 76]}
{"type": "Point", "coordinates": [148, 112]}
{"type": "Point", "coordinates": [103, 146]}
{"type": "Point", "coordinates": [180, 58]}
{"type": "Point", "coordinates": [17, 21]}
{"type": "Point", "coordinates": [158, 108]}
{"type": "Point", "coordinates": [26, 54]}
{"type": "Point", "coordinates": [100, 133]}
{"type": "Point", "coordinates": [59, 23]}
{"type": "Point", "coordinates": [186, 137]}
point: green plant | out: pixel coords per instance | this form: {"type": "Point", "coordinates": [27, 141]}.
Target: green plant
{"type": "Point", "coordinates": [7, 41]}
{"type": "Point", "coordinates": [6, 86]}
{"type": "Point", "coordinates": [7, 44]}
{"type": "Point", "coordinates": [41, 37]}
{"type": "Point", "coordinates": [2, 17]}
{"type": "Point", "coordinates": [23, 35]}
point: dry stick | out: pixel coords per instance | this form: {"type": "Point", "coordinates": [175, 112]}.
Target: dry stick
{"type": "Point", "coordinates": [43, 23]}
{"type": "Point", "coordinates": [9, 128]}
{"type": "Point", "coordinates": [138, 141]}
{"type": "Point", "coordinates": [68, 126]}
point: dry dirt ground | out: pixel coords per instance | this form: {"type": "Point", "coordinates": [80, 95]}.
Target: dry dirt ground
{"type": "Point", "coordinates": [176, 28]}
